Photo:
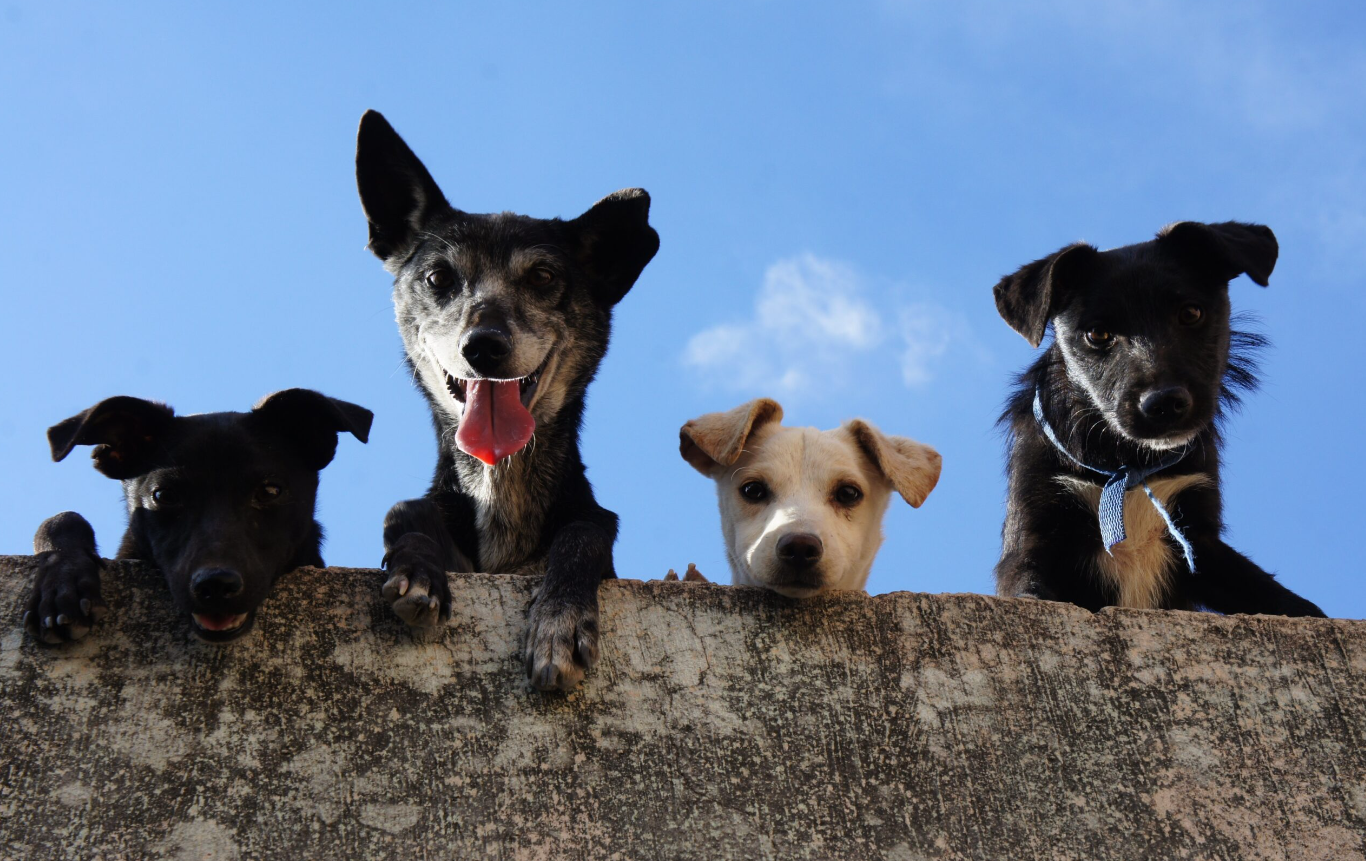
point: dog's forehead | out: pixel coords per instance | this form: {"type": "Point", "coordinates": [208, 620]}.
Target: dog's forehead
{"type": "Point", "coordinates": [1138, 277]}
{"type": "Point", "coordinates": [227, 443]}
{"type": "Point", "coordinates": [803, 452]}
{"type": "Point", "coordinates": [495, 240]}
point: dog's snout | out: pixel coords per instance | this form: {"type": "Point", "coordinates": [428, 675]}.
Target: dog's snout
{"type": "Point", "coordinates": [800, 549]}
{"type": "Point", "coordinates": [1165, 405]}
{"type": "Point", "coordinates": [215, 584]}
{"type": "Point", "coordinates": [485, 348]}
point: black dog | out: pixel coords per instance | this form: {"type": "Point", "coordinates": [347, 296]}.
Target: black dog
{"type": "Point", "coordinates": [222, 503]}
{"type": "Point", "coordinates": [504, 319]}
{"type": "Point", "coordinates": [1114, 462]}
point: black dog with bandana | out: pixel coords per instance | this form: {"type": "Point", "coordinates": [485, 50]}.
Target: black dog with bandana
{"type": "Point", "coordinates": [1114, 453]}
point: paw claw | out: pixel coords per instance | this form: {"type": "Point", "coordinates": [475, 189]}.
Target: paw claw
{"type": "Point", "coordinates": [85, 606]}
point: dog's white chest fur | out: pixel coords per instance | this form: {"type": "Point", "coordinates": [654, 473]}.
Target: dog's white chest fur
{"type": "Point", "coordinates": [1141, 565]}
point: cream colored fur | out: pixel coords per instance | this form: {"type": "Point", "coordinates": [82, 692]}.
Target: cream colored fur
{"type": "Point", "coordinates": [803, 468]}
{"type": "Point", "coordinates": [1141, 566]}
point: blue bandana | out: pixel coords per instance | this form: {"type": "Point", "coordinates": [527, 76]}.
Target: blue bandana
{"type": "Point", "coordinates": [1117, 482]}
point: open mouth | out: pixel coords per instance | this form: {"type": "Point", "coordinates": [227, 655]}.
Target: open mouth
{"type": "Point", "coordinates": [495, 415]}
{"type": "Point", "coordinates": [527, 386]}
{"type": "Point", "coordinates": [217, 627]}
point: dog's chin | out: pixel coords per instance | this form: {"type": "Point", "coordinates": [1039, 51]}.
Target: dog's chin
{"type": "Point", "coordinates": [221, 627]}
{"type": "Point", "coordinates": [1166, 441]}
{"type": "Point", "coordinates": [798, 592]}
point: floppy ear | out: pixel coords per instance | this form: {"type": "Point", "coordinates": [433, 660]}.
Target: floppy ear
{"type": "Point", "coordinates": [718, 439]}
{"type": "Point", "coordinates": [124, 431]}
{"type": "Point", "coordinates": [1225, 250]}
{"type": "Point", "coordinates": [616, 241]}
{"type": "Point", "coordinates": [1027, 299]}
{"type": "Point", "coordinates": [312, 420]}
{"type": "Point", "coordinates": [396, 191]}
{"type": "Point", "coordinates": [911, 467]}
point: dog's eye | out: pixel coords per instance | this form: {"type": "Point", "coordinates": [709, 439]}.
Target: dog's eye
{"type": "Point", "coordinates": [1098, 337]}
{"type": "Point", "coordinates": [269, 492]}
{"type": "Point", "coordinates": [1191, 315]}
{"type": "Point", "coordinates": [440, 279]}
{"type": "Point", "coordinates": [540, 276]}
{"type": "Point", "coordinates": [848, 495]}
{"type": "Point", "coordinates": [164, 497]}
{"type": "Point", "coordinates": [754, 491]}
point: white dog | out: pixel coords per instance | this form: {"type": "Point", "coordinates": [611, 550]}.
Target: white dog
{"type": "Point", "coordinates": [802, 509]}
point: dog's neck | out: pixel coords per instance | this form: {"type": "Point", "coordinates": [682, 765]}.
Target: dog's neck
{"type": "Point", "coordinates": [510, 500]}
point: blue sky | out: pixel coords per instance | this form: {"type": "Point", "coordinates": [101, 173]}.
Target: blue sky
{"type": "Point", "coordinates": [837, 188]}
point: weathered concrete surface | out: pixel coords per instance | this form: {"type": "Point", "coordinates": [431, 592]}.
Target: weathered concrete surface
{"type": "Point", "coordinates": [721, 723]}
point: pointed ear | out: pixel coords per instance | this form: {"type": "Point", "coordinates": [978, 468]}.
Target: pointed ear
{"type": "Point", "coordinates": [1225, 250]}
{"type": "Point", "coordinates": [1027, 299]}
{"type": "Point", "coordinates": [615, 242]}
{"type": "Point", "coordinates": [311, 421]}
{"type": "Point", "coordinates": [718, 439]}
{"type": "Point", "coordinates": [124, 431]}
{"type": "Point", "coordinates": [396, 191]}
{"type": "Point", "coordinates": [911, 467]}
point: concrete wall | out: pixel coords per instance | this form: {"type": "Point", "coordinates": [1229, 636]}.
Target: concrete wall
{"type": "Point", "coordinates": [721, 723]}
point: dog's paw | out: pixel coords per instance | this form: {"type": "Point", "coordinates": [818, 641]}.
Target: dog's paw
{"type": "Point", "coordinates": [561, 643]}
{"type": "Point", "coordinates": [65, 602]}
{"type": "Point", "coordinates": [692, 575]}
{"type": "Point", "coordinates": [417, 587]}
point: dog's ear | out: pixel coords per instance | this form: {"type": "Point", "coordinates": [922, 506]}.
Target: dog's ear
{"type": "Point", "coordinates": [718, 439]}
{"type": "Point", "coordinates": [311, 421]}
{"type": "Point", "coordinates": [1225, 250]}
{"type": "Point", "coordinates": [1027, 299]}
{"type": "Point", "coordinates": [396, 191]}
{"type": "Point", "coordinates": [615, 242]}
{"type": "Point", "coordinates": [125, 432]}
{"type": "Point", "coordinates": [911, 467]}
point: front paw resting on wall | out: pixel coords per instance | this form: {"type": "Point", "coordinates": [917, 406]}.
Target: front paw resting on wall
{"type": "Point", "coordinates": [417, 587]}
{"type": "Point", "coordinates": [65, 602]}
{"type": "Point", "coordinates": [561, 643]}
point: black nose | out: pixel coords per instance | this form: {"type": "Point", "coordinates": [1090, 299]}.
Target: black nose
{"type": "Point", "coordinates": [211, 584]}
{"type": "Point", "coordinates": [800, 549]}
{"type": "Point", "coordinates": [1165, 405]}
{"type": "Point", "coordinates": [486, 348]}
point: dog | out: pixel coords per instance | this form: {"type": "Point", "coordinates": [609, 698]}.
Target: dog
{"type": "Point", "coordinates": [221, 503]}
{"type": "Point", "coordinates": [504, 320]}
{"type": "Point", "coordinates": [801, 509]}
{"type": "Point", "coordinates": [1114, 431]}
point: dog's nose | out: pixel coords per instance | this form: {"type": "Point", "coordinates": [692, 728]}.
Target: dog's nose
{"type": "Point", "coordinates": [1165, 405]}
{"type": "Point", "coordinates": [800, 549]}
{"type": "Point", "coordinates": [485, 349]}
{"type": "Point", "coordinates": [211, 584]}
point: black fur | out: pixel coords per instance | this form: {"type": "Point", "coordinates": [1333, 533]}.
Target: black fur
{"type": "Point", "coordinates": [1092, 390]}
{"type": "Point", "coordinates": [462, 277]}
{"type": "Point", "coordinates": [222, 503]}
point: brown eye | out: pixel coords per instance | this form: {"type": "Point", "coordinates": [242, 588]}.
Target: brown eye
{"type": "Point", "coordinates": [1098, 337]}
{"type": "Point", "coordinates": [540, 276]}
{"type": "Point", "coordinates": [440, 279]}
{"type": "Point", "coordinates": [848, 495]}
{"type": "Point", "coordinates": [164, 497]}
{"type": "Point", "coordinates": [269, 492]}
{"type": "Point", "coordinates": [1191, 315]}
{"type": "Point", "coordinates": [754, 491]}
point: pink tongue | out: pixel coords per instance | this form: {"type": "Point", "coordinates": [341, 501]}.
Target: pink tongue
{"type": "Point", "coordinates": [495, 423]}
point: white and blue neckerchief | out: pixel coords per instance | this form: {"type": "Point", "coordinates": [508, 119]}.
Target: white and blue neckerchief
{"type": "Point", "coordinates": [1126, 478]}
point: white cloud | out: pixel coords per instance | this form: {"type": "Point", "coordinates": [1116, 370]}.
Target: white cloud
{"type": "Point", "coordinates": [926, 334]}
{"type": "Point", "coordinates": [815, 327]}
